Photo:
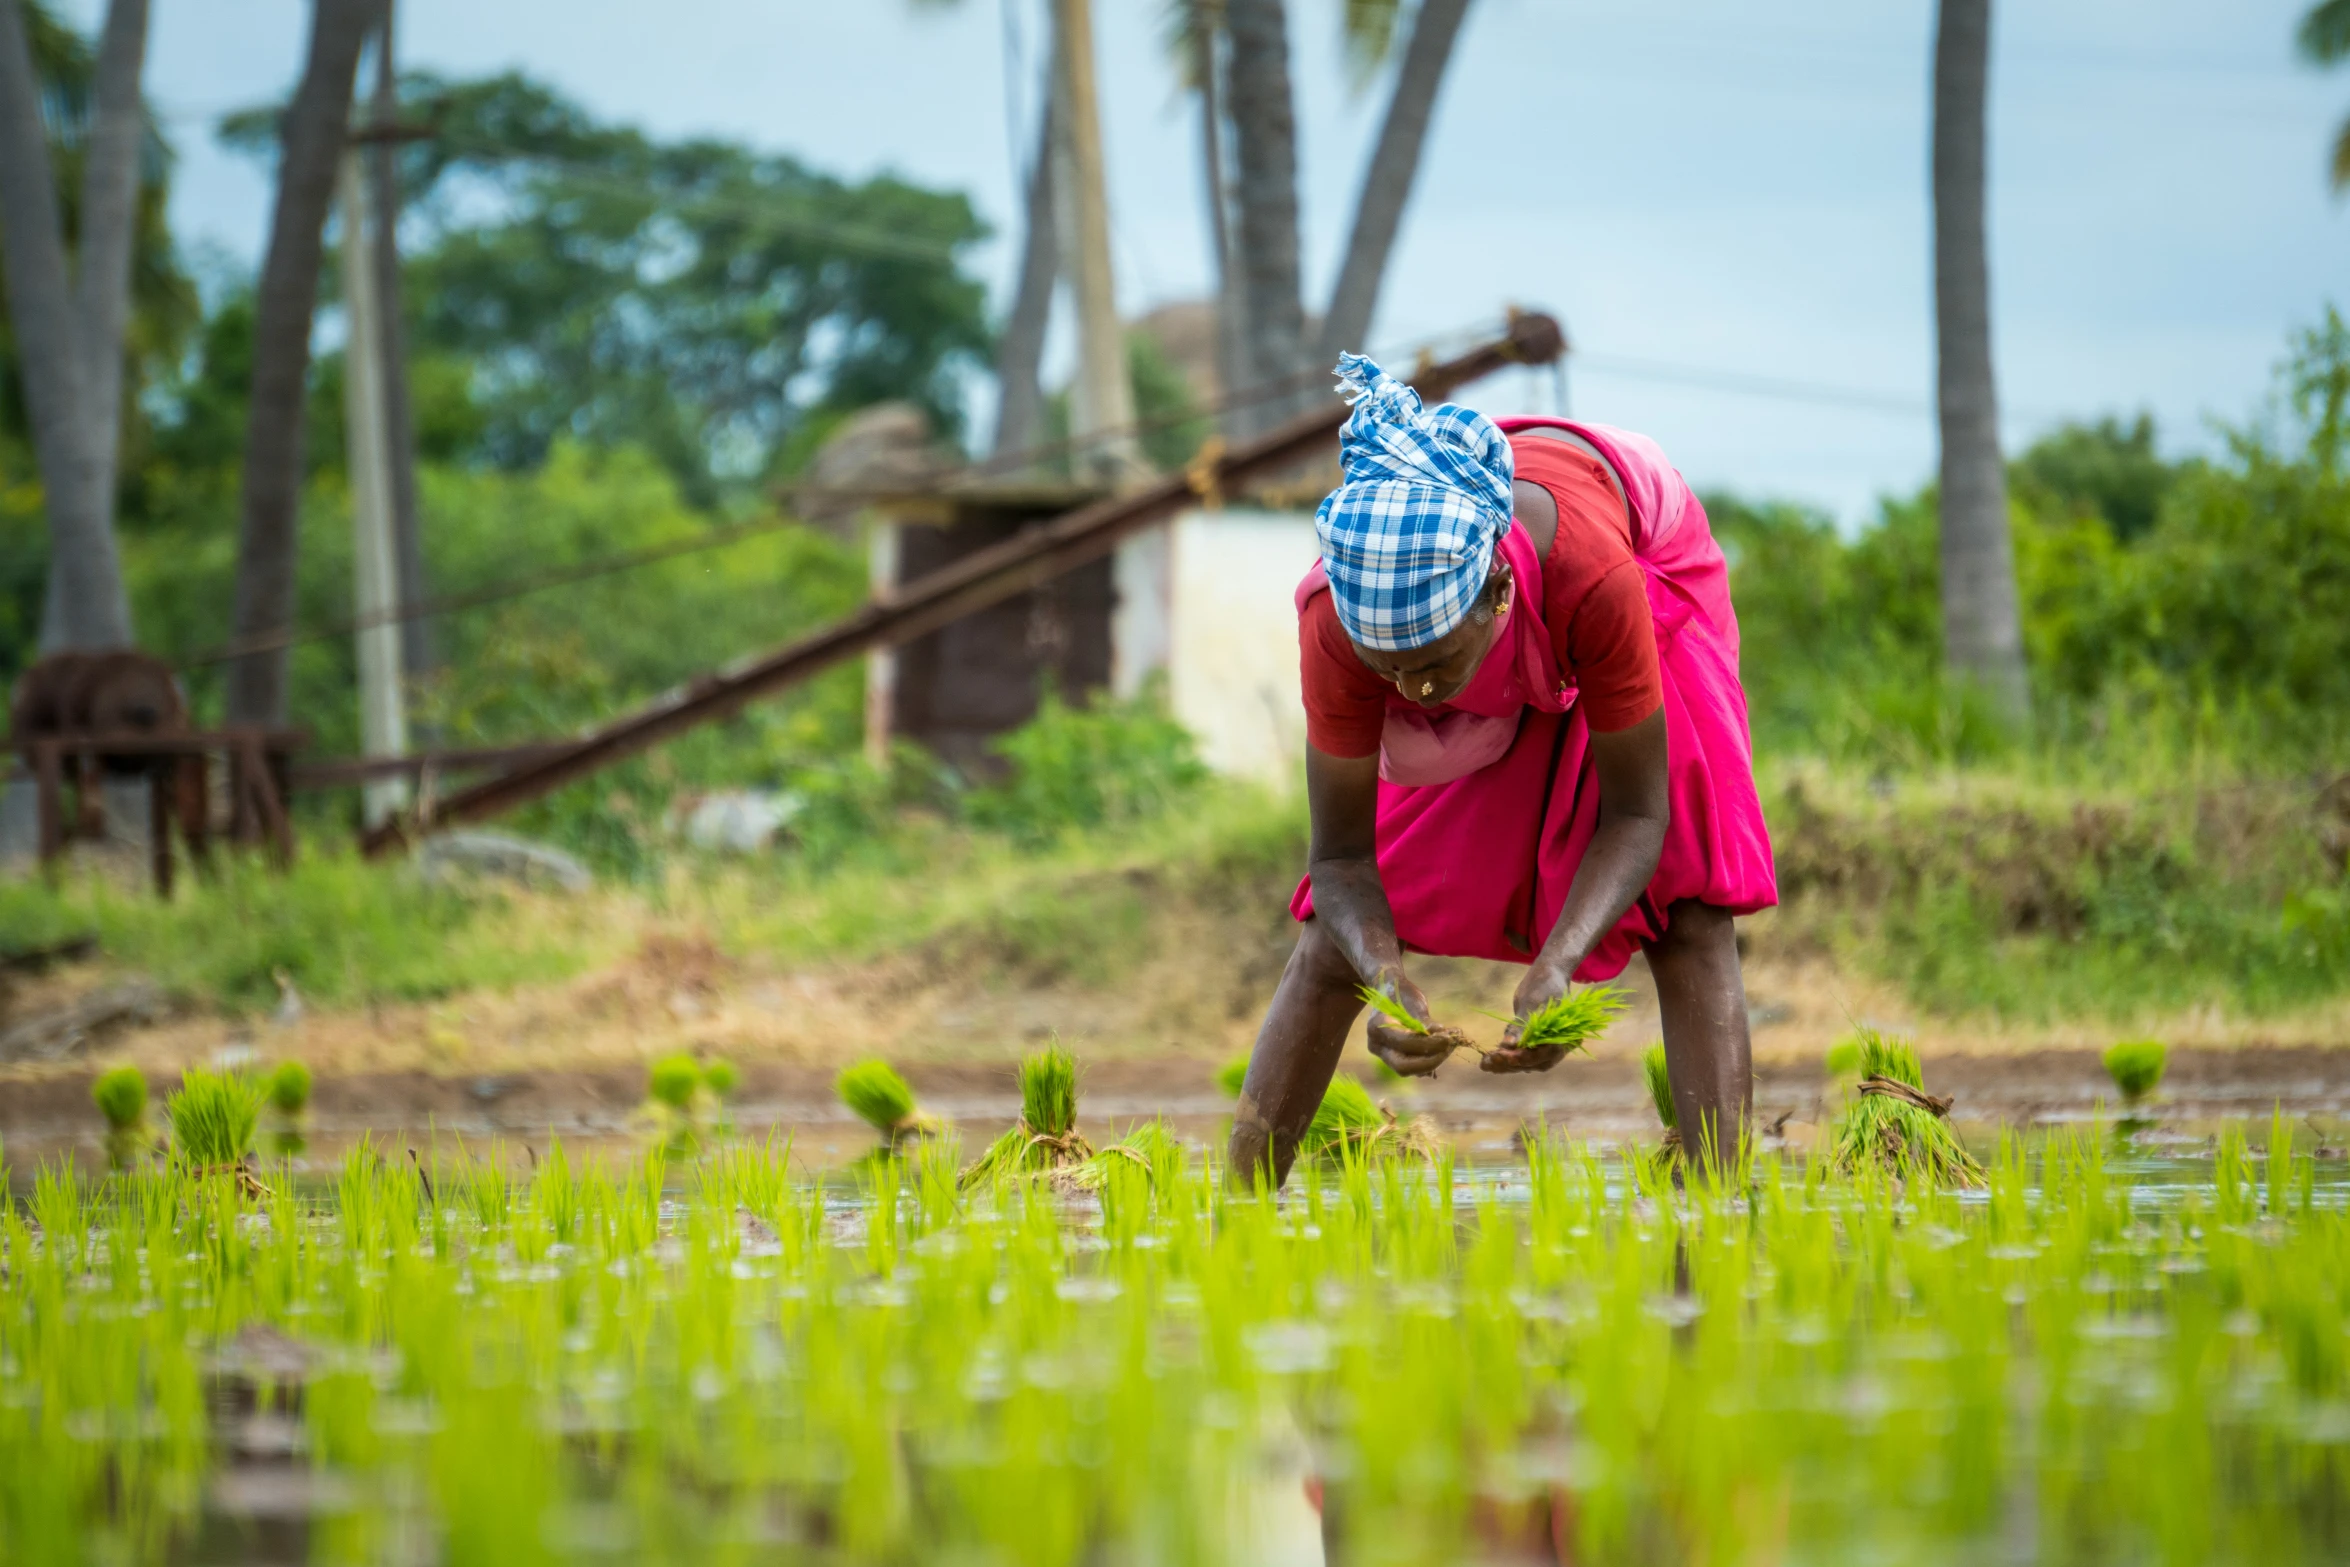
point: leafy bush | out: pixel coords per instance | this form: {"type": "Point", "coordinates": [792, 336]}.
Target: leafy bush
{"type": "Point", "coordinates": [2194, 607]}
{"type": "Point", "coordinates": [344, 930]}
{"type": "Point", "coordinates": [1090, 766]}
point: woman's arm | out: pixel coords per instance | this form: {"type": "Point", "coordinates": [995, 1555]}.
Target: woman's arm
{"type": "Point", "coordinates": [1635, 806]}
{"type": "Point", "coordinates": [1350, 901]}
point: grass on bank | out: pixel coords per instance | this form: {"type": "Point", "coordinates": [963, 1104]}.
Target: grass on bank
{"type": "Point", "coordinates": [2002, 895]}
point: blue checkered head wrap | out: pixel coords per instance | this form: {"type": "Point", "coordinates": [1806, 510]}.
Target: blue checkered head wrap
{"type": "Point", "coordinates": [1423, 497]}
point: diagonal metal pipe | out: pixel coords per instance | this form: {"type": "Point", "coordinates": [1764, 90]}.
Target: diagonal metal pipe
{"type": "Point", "coordinates": [982, 578]}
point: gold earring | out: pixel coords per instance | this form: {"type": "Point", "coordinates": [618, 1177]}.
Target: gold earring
{"type": "Point", "coordinates": [1427, 688]}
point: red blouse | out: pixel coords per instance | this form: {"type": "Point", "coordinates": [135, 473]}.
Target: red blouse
{"type": "Point", "coordinates": [1594, 601]}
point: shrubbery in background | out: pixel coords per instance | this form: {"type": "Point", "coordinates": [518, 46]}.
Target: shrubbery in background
{"type": "Point", "coordinates": [1090, 766]}
{"type": "Point", "coordinates": [2199, 607]}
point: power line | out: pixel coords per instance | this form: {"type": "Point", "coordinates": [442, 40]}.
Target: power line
{"type": "Point", "coordinates": [722, 538]}
{"type": "Point", "coordinates": [1872, 400]}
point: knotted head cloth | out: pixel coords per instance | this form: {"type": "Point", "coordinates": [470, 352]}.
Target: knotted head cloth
{"type": "Point", "coordinates": [1423, 497]}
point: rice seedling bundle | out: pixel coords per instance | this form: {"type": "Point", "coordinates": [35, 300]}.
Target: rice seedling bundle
{"type": "Point", "coordinates": [213, 1117]}
{"type": "Point", "coordinates": [289, 1088]}
{"type": "Point", "coordinates": [2136, 1067]}
{"type": "Point", "coordinates": [673, 1081]}
{"type": "Point", "coordinates": [1146, 1151]}
{"type": "Point", "coordinates": [1574, 1020]}
{"type": "Point", "coordinates": [883, 1100]}
{"type": "Point", "coordinates": [722, 1077]}
{"type": "Point", "coordinates": [1348, 1122]}
{"type": "Point", "coordinates": [1400, 1016]}
{"type": "Point", "coordinates": [1895, 1125]}
{"type": "Point", "coordinates": [1046, 1137]}
{"type": "Point", "coordinates": [561, 1358]}
{"type": "Point", "coordinates": [121, 1097]}
{"type": "Point", "coordinates": [1659, 1077]}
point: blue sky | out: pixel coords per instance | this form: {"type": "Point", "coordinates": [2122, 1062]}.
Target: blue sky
{"type": "Point", "coordinates": [1712, 194]}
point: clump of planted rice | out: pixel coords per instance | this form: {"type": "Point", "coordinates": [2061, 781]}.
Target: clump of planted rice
{"type": "Point", "coordinates": [1893, 1123]}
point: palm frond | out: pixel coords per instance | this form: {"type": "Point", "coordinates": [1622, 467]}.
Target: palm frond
{"type": "Point", "coordinates": [2324, 34]}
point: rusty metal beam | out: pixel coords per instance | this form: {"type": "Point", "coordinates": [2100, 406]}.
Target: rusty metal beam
{"type": "Point", "coordinates": [982, 578]}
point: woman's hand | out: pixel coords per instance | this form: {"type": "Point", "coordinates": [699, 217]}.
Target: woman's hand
{"type": "Point", "coordinates": [1635, 806]}
{"type": "Point", "coordinates": [1546, 980]}
{"type": "Point", "coordinates": [1413, 1055]}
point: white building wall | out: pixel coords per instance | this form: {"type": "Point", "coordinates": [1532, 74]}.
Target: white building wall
{"type": "Point", "coordinates": [1232, 638]}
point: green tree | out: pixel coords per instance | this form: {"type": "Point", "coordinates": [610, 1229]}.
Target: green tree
{"type": "Point", "coordinates": [697, 298]}
{"type": "Point", "coordinates": [80, 221]}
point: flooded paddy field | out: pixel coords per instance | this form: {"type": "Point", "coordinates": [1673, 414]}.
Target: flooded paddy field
{"type": "Point", "coordinates": [1602, 1099]}
{"type": "Point", "coordinates": [1560, 1356]}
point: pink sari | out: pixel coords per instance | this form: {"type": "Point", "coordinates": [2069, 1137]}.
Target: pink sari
{"type": "Point", "coordinates": [1487, 804]}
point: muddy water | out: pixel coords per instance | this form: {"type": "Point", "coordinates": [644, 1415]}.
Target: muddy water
{"type": "Point", "coordinates": [50, 1116]}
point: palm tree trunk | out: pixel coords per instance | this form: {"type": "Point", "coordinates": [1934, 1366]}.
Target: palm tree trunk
{"type": "Point", "coordinates": [1982, 626]}
{"type": "Point", "coordinates": [1019, 356]}
{"type": "Point", "coordinates": [418, 656]}
{"type": "Point", "coordinates": [1387, 184]}
{"type": "Point", "coordinates": [1264, 133]}
{"type": "Point", "coordinates": [311, 146]}
{"type": "Point", "coordinates": [86, 606]}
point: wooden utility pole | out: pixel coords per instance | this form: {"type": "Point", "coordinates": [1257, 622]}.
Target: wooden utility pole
{"type": "Point", "coordinates": [1101, 410]}
{"type": "Point", "coordinates": [418, 655]}
{"type": "Point", "coordinates": [1101, 413]}
{"type": "Point", "coordinates": [987, 576]}
{"type": "Point", "coordinates": [383, 719]}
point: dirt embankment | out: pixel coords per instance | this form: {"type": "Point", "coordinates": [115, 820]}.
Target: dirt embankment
{"type": "Point", "coordinates": [1157, 967]}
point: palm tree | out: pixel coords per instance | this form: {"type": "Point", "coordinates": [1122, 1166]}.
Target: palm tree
{"type": "Point", "coordinates": [311, 140]}
{"type": "Point", "coordinates": [1261, 288]}
{"type": "Point", "coordinates": [1019, 358]}
{"type": "Point", "coordinates": [69, 331]}
{"type": "Point", "coordinates": [1395, 163]}
{"type": "Point", "coordinates": [1982, 627]}
{"type": "Point", "coordinates": [2325, 40]}
{"type": "Point", "coordinates": [1264, 137]}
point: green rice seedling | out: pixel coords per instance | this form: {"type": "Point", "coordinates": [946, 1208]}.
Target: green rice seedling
{"type": "Point", "coordinates": [1659, 1078]}
{"type": "Point", "coordinates": [1046, 1137]}
{"type": "Point", "coordinates": [288, 1089]}
{"type": "Point", "coordinates": [1145, 1150]}
{"type": "Point", "coordinates": [1572, 1021]}
{"type": "Point", "coordinates": [1396, 1013]}
{"type": "Point", "coordinates": [213, 1117]}
{"type": "Point", "coordinates": [675, 1102]}
{"type": "Point", "coordinates": [1232, 1076]}
{"type": "Point", "coordinates": [121, 1097]}
{"type": "Point", "coordinates": [1842, 1061]}
{"type": "Point", "coordinates": [1348, 1122]}
{"type": "Point", "coordinates": [721, 1081]}
{"type": "Point", "coordinates": [1391, 1009]}
{"type": "Point", "coordinates": [722, 1077]}
{"type": "Point", "coordinates": [1894, 1125]}
{"type": "Point", "coordinates": [877, 1095]}
{"type": "Point", "coordinates": [673, 1081]}
{"type": "Point", "coordinates": [2136, 1067]}
{"type": "Point", "coordinates": [1660, 1085]}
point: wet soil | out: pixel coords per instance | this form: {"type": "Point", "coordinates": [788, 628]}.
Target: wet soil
{"type": "Point", "coordinates": [1600, 1097]}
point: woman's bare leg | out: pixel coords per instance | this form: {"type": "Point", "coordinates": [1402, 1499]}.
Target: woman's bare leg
{"type": "Point", "coordinates": [1702, 997]}
{"type": "Point", "coordinates": [1296, 1051]}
